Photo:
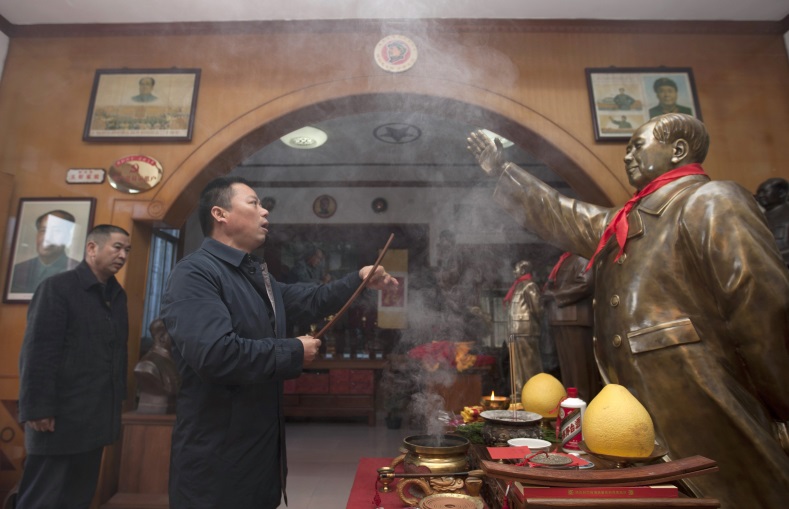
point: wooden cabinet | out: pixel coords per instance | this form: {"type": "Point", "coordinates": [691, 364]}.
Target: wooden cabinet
{"type": "Point", "coordinates": [334, 388]}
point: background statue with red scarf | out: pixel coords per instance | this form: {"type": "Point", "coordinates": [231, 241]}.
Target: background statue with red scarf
{"type": "Point", "coordinates": [692, 302]}
{"type": "Point", "coordinates": [524, 313]}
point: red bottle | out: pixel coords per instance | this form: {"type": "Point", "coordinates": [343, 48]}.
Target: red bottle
{"type": "Point", "coordinates": [569, 421]}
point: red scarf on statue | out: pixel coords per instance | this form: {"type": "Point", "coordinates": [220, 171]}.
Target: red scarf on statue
{"type": "Point", "coordinates": [555, 269]}
{"type": "Point", "coordinates": [619, 225]}
{"type": "Point", "coordinates": [508, 297]}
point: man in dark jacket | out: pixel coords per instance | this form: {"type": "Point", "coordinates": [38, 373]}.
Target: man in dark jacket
{"type": "Point", "coordinates": [73, 375]}
{"type": "Point", "coordinates": [227, 317]}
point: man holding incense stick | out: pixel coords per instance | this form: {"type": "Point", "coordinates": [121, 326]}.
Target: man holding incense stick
{"type": "Point", "coordinates": [226, 315]}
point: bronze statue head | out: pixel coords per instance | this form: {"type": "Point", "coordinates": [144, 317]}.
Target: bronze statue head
{"type": "Point", "coordinates": [772, 193]}
{"type": "Point", "coordinates": [522, 268]}
{"type": "Point", "coordinates": [664, 143]}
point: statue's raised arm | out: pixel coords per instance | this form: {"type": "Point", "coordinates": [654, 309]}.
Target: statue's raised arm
{"type": "Point", "coordinates": [488, 153]}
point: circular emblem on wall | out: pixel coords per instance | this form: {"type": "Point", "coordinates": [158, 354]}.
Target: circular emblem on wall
{"type": "Point", "coordinates": [324, 206]}
{"type": "Point", "coordinates": [134, 174]}
{"type": "Point", "coordinates": [268, 203]}
{"type": "Point", "coordinates": [379, 205]}
{"type": "Point", "coordinates": [395, 53]}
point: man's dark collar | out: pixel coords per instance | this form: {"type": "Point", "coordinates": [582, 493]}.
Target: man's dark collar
{"type": "Point", "coordinates": [224, 252]}
{"type": "Point", "coordinates": [87, 278]}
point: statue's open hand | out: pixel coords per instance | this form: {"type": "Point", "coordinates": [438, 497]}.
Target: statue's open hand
{"type": "Point", "coordinates": [489, 154]}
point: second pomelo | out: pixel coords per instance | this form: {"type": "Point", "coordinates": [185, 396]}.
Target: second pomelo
{"type": "Point", "coordinates": [617, 424]}
{"type": "Point", "coordinates": [541, 394]}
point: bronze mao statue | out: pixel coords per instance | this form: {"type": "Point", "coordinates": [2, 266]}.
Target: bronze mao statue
{"type": "Point", "coordinates": [692, 302]}
{"type": "Point", "coordinates": [524, 315]}
{"type": "Point", "coordinates": [156, 374]}
{"type": "Point", "coordinates": [773, 195]}
{"type": "Point", "coordinates": [567, 298]}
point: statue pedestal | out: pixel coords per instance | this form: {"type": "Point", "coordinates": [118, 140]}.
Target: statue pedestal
{"type": "Point", "coordinates": [145, 462]}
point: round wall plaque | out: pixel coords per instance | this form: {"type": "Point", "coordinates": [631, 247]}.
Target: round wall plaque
{"type": "Point", "coordinates": [324, 206]}
{"type": "Point", "coordinates": [379, 205]}
{"type": "Point", "coordinates": [395, 53]}
{"type": "Point", "coordinates": [134, 174]}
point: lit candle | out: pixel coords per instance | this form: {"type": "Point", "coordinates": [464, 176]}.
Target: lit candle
{"type": "Point", "coordinates": [495, 403]}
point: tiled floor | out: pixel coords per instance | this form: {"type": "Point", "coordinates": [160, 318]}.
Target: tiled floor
{"type": "Point", "coordinates": [322, 459]}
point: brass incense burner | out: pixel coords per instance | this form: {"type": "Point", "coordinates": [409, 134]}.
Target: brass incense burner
{"type": "Point", "coordinates": [434, 454]}
{"type": "Point", "coordinates": [431, 464]}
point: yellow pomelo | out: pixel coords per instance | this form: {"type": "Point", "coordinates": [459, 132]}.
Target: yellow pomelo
{"type": "Point", "coordinates": [617, 424]}
{"type": "Point", "coordinates": [541, 394]}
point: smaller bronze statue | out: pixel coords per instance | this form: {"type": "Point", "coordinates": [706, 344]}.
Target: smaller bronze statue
{"type": "Point", "coordinates": [525, 313]}
{"type": "Point", "coordinates": [156, 374]}
{"type": "Point", "coordinates": [773, 195]}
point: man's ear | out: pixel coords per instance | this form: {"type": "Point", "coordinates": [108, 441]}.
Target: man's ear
{"type": "Point", "coordinates": [681, 151]}
{"type": "Point", "coordinates": [218, 213]}
{"type": "Point", "coordinates": [90, 249]}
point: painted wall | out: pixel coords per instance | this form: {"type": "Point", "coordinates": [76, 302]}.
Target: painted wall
{"type": "Point", "coordinates": [255, 87]}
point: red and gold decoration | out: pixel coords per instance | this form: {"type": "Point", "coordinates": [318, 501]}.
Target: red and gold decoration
{"type": "Point", "coordinates": [395, 53]}
{"type": "Point", "coordinates": [135, 174]}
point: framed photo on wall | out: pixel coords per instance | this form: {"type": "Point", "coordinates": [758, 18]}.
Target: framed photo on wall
{"type": "Point", "coordinates": [142, 105]}
{"type": "Point", "coordinates": [49, 237]}
{"type": "Point", "coordinates": [622, 99]}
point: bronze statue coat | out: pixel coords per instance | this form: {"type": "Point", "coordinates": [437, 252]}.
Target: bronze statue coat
{"type": "Point", "coordinates": [525, 310]}
{"type": "Point", "coordinates": [568, 311]}
{"type": "Point", "coordinates": [525, 313]}
{"type": "Point", "coordinates": [692, 319]}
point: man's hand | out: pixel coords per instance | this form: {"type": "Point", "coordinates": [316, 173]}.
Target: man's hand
{"type": "Point", "coordinates": [311, 346]}
{"type": "Point", "coordinates": [45, 424]}
{"type": "Point", "coordinates": [489, 154]}
{"type": "Point", "coordinates": [380, 280]}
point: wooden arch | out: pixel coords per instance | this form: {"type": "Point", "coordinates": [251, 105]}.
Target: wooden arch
{"type": "Point", "coordinates": [581, 168]}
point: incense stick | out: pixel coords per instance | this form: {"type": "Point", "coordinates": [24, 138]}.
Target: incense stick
{"type": "Point", "coordinates": [357, 292]}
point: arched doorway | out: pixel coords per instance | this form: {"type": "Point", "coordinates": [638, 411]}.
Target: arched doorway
{"type": "Point", "coordinates": [569, 157]}
{"type": "Point", "coordinates": [177, 197]}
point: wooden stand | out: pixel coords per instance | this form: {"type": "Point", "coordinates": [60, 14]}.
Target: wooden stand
{"type": "Point", "coordinates": [495, 487]}
{"type": "Point", "coordinates": [145, 462]}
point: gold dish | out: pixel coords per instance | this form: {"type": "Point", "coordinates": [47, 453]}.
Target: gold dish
{"type": "Point", "coordinates": [450, 500]}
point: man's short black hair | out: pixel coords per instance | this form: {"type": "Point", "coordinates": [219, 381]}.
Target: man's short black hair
{"type": "Point", "coordinates": [217, 193]}
{"type": "Point", "coordinates": [99, 234]}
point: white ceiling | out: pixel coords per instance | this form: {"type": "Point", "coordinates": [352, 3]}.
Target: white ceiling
{"type": "Point", "coordinates": [30, 12]}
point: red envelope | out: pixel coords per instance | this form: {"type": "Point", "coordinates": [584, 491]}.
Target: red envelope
{"type": "Point", "coordinates": [508, 453]}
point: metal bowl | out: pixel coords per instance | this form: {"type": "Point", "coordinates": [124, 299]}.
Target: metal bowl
{"type": "Point", "coordinates": [435, 453]}
{"type": "Point", "coordinates": [503, 425]}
